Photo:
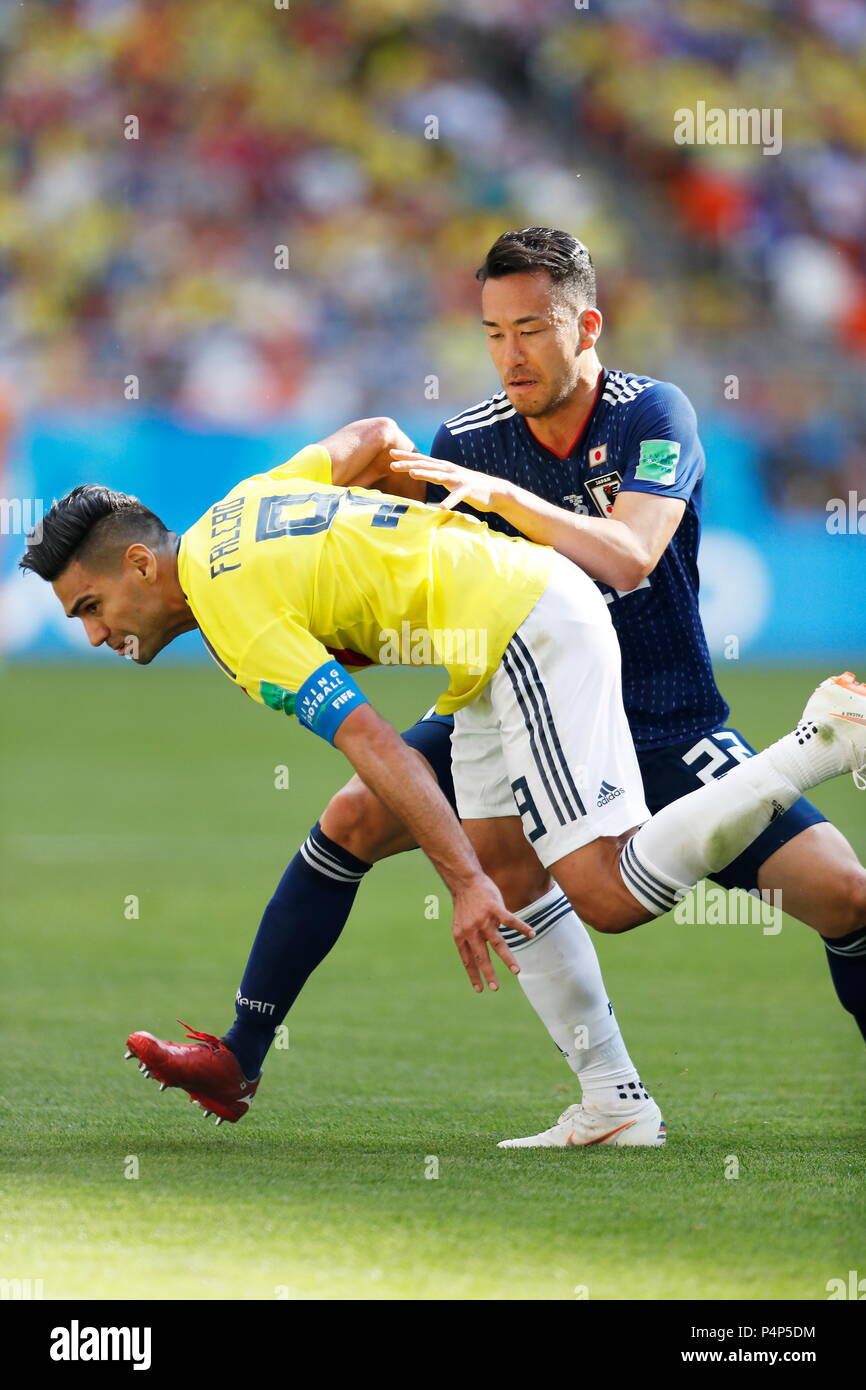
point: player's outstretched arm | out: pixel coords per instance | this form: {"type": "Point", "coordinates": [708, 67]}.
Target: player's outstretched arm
{"type": "Point", "coordinates": [620, 550]}
{"type": "Point", "coordinates": [391, 770]}
{"type": "Point", "coordinates": [360, 454]}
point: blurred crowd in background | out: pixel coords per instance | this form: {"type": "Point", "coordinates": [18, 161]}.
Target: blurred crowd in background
{"type": "Point", "coordinates": [385, 144]}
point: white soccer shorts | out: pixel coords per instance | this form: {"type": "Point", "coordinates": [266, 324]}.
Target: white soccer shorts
{"type": "Point", "coordinates": [547, 737]}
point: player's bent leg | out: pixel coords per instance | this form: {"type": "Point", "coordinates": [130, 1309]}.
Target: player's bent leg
{"type": "Point", "coordinates": [506, 856]}
{"type": "Point", "coordinates": [690, 838]}
{"type": "Point", "coordinates": [617, 882]}
{"type": "Point", "coordinates": [300, 925]}
{"type": "Point", "coordinates": [358, 821]}
{"type": "Point", "coordinates": [552, 743]}
{"type": "Point", "coordinates": [312, 902]}
{"type": "Point", "coordinates": [703, 832]}
{"type": "Point", "coordinates": [799, 855]}
{"type": "Point", "coordinates": [821, 880]}
{"type": "Point", "coordinates": [823, 883]}
{"type": "Point", "coordinates": [592, 881]}
{"type": "Point", "coordinates": [561, 978]}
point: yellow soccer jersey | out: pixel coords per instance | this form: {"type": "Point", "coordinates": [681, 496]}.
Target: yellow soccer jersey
{"type": "Point", "coordinates": [292, 580]}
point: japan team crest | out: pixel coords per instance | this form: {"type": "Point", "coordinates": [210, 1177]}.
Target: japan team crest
{"type": "Point", "coordinates": [603, 491]}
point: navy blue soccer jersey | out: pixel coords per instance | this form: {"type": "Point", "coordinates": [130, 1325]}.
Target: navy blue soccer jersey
{"type": "Point", "coordinates": [641, 436]}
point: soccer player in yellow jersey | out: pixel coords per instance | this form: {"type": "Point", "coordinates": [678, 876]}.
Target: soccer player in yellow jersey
{"type": "Point", "coordinates": [290, 571]}
{"type": "Point", "coordinates": [295, 581]}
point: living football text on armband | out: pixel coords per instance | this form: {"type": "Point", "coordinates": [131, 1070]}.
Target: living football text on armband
{"type": "Point", "coordinates": [326, 698]}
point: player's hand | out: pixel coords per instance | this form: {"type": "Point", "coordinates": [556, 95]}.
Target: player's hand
{"type": "Point", "coordinates": [478, 913]}
{"type": "Point", "coordinates": [393, 438]}
{"type": "Point", "coordinates": [463, 484]}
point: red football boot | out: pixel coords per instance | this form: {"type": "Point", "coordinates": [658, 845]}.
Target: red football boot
{"type": "Point", "coordinates": [206, 1069]}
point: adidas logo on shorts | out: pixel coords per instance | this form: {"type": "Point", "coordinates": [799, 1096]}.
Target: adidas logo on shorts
{"type": "Point", "coordinates": [607, 794]}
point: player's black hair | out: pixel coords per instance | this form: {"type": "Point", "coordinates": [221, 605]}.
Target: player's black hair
{"type": "Point", "coordinates": [90, 522]}
{"type": "Point", "coordinates": [566, 260]}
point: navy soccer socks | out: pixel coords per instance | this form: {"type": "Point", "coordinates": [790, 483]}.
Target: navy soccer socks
{"type": "Point", "coordinates": [301, 923]}
{"type": "Point", "coordinates": [846, 957]}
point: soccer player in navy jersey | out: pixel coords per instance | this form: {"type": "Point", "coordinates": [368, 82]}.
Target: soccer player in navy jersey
{"type": "Point", "coordinates": [606, 467]}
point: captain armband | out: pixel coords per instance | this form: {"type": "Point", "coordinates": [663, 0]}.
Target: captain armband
{"type": "Point", "coordinates": [326, 698]}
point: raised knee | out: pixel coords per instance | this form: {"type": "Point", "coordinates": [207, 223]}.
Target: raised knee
{"type": "Point", "coordinates": [520, 887]}
{"type": "Point", "coordinates": [521, 878]}
{"type": "Point", "coordinates": [356, 819]}
{"type": "Point", "coordinates": [609, 924]}
{"type": "Point", "coordinates": [611, 918]}
{"type": "Point", "coordinates": [847, 899]}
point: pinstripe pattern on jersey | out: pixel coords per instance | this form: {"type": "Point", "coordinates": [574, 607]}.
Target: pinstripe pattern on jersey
{"type": "Point", "coordinates": [669, 690]}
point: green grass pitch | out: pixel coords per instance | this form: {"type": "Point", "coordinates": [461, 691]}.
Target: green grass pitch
{"type": "Point", "coordinates": [161, 784]}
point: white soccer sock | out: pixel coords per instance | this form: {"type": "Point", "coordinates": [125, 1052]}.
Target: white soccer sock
{"type": "Point", "coordinates": [561, 977]}
{"type": "Point", "coordinates": [702, 832]}
{"type": "Point", "coordinates": [808, 756]}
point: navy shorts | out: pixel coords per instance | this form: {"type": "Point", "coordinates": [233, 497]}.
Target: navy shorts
{"type": "Point", "coordinates": [668, 773]}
